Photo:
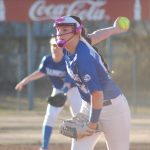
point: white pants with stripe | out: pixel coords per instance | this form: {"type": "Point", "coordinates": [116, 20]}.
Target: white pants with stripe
{"type": "Point", "coordinates": [74, 100]}
{"type": "Point", "coordinates": [115, 123]}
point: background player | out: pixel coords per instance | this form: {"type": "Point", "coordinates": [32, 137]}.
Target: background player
{"type": "Point", "coordinates": [54, 66]}
{"type": "Point", "coordinates": [106, 104]}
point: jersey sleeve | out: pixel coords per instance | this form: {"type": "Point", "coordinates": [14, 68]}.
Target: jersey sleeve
{"type": "Point", "coordinates": [68, 79]}
{"type": "Point", "coordinates": [42, 65]}
{"type": "Point", "coordinates": [88, 74]}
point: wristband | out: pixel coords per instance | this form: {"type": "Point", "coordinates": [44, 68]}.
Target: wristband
{"type": "Point", "coordinates": [94, 115]}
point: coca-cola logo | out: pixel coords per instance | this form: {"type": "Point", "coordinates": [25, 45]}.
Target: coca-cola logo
{"type": "Point", "coordinates": [86, 10]}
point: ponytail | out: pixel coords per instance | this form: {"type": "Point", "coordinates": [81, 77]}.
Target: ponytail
{"type": "Point", "coordinates": [84, 34]}
{"type": "Point", "coordinates": [103, 59]}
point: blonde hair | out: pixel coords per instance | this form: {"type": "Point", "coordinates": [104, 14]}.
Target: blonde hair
{"type": "Point", "coordinates": [52, 41]}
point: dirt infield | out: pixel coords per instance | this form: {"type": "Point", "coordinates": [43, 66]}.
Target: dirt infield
{"type": "Point", "coordinates": [21, 130]}
{"type": "Point", "coordinates": [134, 146]}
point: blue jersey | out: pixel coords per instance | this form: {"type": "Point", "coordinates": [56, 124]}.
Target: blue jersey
{"type": "Point", "coordinates": [87, 69]}
{"type": "Point", "coordinates": [56, 71]}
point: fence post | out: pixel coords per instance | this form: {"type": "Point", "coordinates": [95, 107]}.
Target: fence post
{"type": "Point", "coordinates": [110, 53]}
{"type": "Point", "coordinates": [134, 82]}
{"type": "Point", "coordinates": [30, 57]}
{"type": "Point", "coordinates": [19, 77]}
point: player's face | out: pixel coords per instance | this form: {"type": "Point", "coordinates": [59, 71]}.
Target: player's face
{"type": "Point", "coordinates": [62, 32]}
{"type": "Point", "coordinates": [56, 51]}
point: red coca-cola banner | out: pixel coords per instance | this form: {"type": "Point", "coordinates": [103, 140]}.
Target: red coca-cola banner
{"type": "Point", "coordinates": [92, 10]}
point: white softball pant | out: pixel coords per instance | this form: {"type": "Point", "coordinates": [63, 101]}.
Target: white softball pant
{"type": "Point", "coordinates": [115, 123]}
{"type": "Point", "coordinates": [73, 98]}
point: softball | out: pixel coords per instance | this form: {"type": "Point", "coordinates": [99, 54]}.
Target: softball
{"type": "Point", "coordinates": [123, 23]}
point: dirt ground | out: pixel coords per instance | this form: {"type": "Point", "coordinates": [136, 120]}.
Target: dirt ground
{"type": "Point", "coordinates": [21, 130]}
{"type": "Point", "coordinates": [137, 146]}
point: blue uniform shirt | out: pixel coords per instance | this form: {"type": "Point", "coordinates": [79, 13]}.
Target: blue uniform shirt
{"type": "Point", "coordinates": [87, 69]}
{"type": "Point", "coordinates": [56, 71]}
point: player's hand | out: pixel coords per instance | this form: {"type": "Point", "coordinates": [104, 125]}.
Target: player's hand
{"type": "Point", "coordinates": [121, 24]}
{"type": "Point", "coordinates": [20, 86]}
{"type": "Point", "coordinates": [115, 25]}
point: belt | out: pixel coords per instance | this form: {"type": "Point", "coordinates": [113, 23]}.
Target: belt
{"type": "Point", "coordinates": [107, 102]}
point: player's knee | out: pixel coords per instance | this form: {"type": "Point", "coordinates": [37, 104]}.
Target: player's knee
{"type": "Point", "coordinates": [50, 120]}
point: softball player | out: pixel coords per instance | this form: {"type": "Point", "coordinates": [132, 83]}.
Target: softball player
{"type": "Point", "coordinates": [54, 66]}
{"type": "Point", "coordinates": [104, 101]}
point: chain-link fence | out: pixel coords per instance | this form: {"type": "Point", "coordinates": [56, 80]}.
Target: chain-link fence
{"type": "Point", "coordinates": [130, 72]}
{"type": "Point", "coordinates": [126, 54]}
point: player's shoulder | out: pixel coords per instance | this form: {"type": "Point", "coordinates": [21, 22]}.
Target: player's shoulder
{"type": "Point", "coordinates": [86, 54]}
{"type": "Point", "coordinates": [83, 50]}
{"type": "Point", "coordinates": [47, 58]}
